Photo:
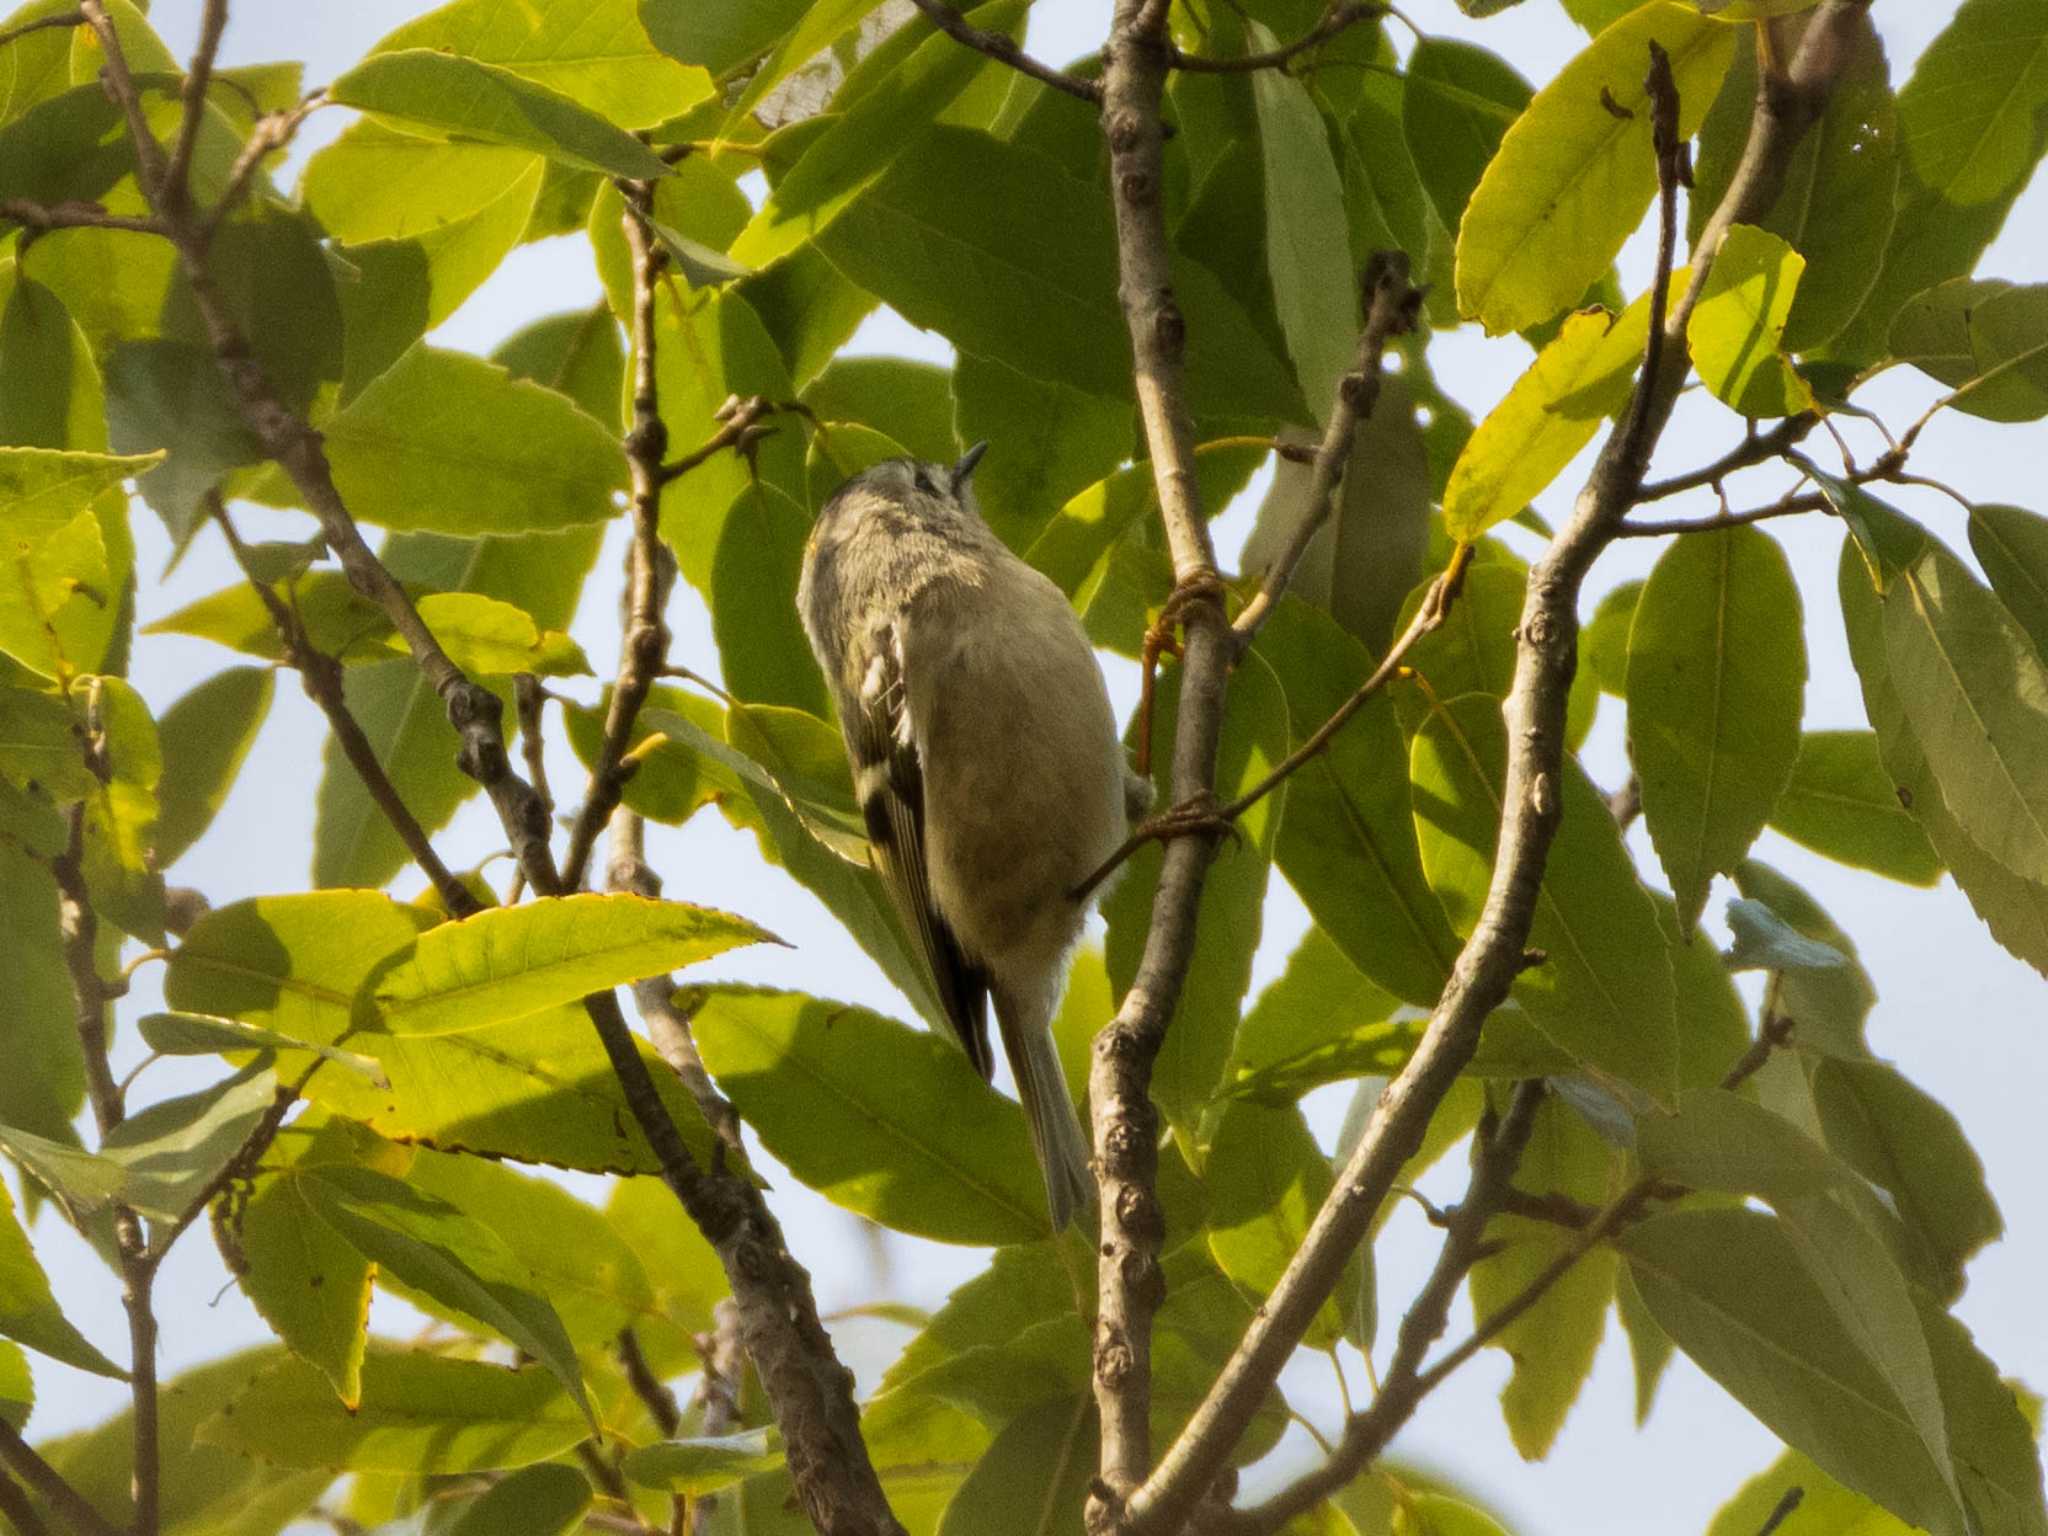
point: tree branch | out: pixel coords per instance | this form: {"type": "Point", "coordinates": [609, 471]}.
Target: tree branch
{"type": "Point", "coordinates": [320, 676]}
{"type": "Point", "coordinates": [73, 215]}
{"type": "Point", "coordinates": [1757, 448]}
{"type": "Point", "coordinates": [1545, 659]}
{"type": "Point", "coordinates": [1125, 1121]}
{"type": "Point", "coordinates": [42, 24]}
{"type": "Point", "coordinates": [1333, 21]}
{"type": "Point", "coordinates": [287, 438]}
{"type": "Point", "coordinates": [26, 1519]}
{"type": "Point", "coordinates": [213, 21]}
{"type": "Point", "coordinates": [1789, 506]}
{"type": "Point", "coordinates": [1003, 48]}
{"type": "Point", "coordinates": [23, 1461]}
{"type": "Point", "coordinates": [272, 132]}
{"type": "Point", "coordinates": [1391, 305]}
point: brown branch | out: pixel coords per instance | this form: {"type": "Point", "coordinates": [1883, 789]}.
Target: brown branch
{"type": "Point", "coordinates": [175, 188]}
{"type": "Point", "coordinates": [1496, 1153]}
{"type": "Point", "coordinates": [1004, 50]}
{"type": "Point", "coordinates": [1392, 304]}
{"type": "Point", "coordinates": [41, 24]}
{"type": "Point", "coordinates": [1545, 660]}
{"type": "Point", "coordinates": [71, 1507]}
{"type": "Point", "coordinates": [320, 676]}
{"type": "Point", "coordinates": [1757, 448]}
{"type": "Point", "coordinates": [1789, 506]}
{"type": "Point", "coordinates": [656, 1398]}
{"type": "Point", "coordinates": [287, 438]}
{"type": "Point", "coordinates": [1125, 1121]}
{"type": "Point", "coordinates": [26, 1519]}
{"type": "Point", "coordinates": [1333, 21]}
{"type": "Point", "coordinates": [75, 214]}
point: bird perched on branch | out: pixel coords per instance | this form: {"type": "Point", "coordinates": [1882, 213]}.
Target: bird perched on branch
{"type": "Point", "coordinates": [985, 759]}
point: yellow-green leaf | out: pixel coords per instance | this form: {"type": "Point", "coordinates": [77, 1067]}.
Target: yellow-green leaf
{"type": "Point", "coordinates": [1577, 170]}
{"type": "Point", "coordinates": [1737, 332]}
{"type": "Point", "coordinates": [509, 962]}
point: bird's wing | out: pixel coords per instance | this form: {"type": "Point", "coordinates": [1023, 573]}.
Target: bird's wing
{"type": "Point", "coordinates": [888, 780]}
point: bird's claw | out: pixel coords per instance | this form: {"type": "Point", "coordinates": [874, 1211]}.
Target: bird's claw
{"type": "Point", "coordinates": [1200, 815]}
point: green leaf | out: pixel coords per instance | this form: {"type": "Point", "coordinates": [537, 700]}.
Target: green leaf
{"type": "Point", "coordinates": [290, 964]}
{"type": "Point", "coordinates": [29, 1312]}
{"type": "Point", "coordinates": [419, 1414]}
{"type": "Point", "coordinates": [171, 1153]}
{"type": "Point", "coordinates": [1457, 102]}
{"type": "Point", "coordinates": [56, 589]}
{"type": "Point", "coordinates": [1907, 1143]}
{"type": "Point", "coordinates": [1437, 1514]}
{"type": "Point", "coordinates": [374, 183]}
{"type": "Point", "coordinates": [205, 1491]}
{"type": "Point", "coordinates": [1581, 377]}
{"type": "Point", "coordinates": [1836, 204]}
{"type": "Point", "coordinates": [1553, 1343]}
{"type": "Point", "coordinates": [1008, 256]}
{"type": "Point", "coordinates": [705, 1465]}
{"type": "Point", "coordinates": [1254, 740]}
{"type": "Point", "coordinates": [310, 1283]}
{"type": "Point", "coordinates": [1976, 696]}
{"type": "Point", "coordinates": [887, 1121]}
{"type": "Point", "coordinates": [1308, 252]}
{"type": "Point", "coordinates": [36, 1007]}
{"type": "Point", "coordinates": [1320, 1021]}
{"type": "Point", "coordinates": [1267, 1179]}
{"type": "Point", "coordinates": [442, 92]}
{"type": "Point", "coordinates": [50, 392]}
{"type": "Point", "coordinates": [120, 814]}
{"type": "Point", "coordinates": [1766, 942]}
{"type": "Point", "coordinates": [595, 1281]}
{"type": "Point", "coordinates": [1716, 688]}
{"type": "Point", "coordinates": [910, 403]}
{"type": "Point", "coordinates": [1038, 1469]}
{"type": "Point", "coordinates": [1604, 993]}
{"type": "Point", "coordinates": [509, 962]}
{"type": "Point", "coordinates": [2012, 547]}
{"type": "Point", "coordinates": [453, 444]}
{"type": "Point", "coordinates": [538, 1090]}
{"type": "Point", "coordinates": [721, 35]}
{"type": "Point", "coordinates": [2015, 909]}
{"type": "Point", "coordinates": [819, 27]}
{"type": "Point", "coordinates": [1825, 1507]}
{"type": "Point", "coordinates": [1730, 1287]}
{"type": "Point", "coordinates": [1649, 1346]}
{"type": "Point", "coordinates": [206, 738]}
{"type": "Point", "coordinates": [1348, 841]}
{"type": "Point", "coordinates": [1998, 1459]}
{"type": "Point", "coordinates": [1841, 803]}
{"type": "Point", "coordinates": [917, 74]}
{"type": "Point", "coordinates": [168, 397]}
{"type": "Point", "coordinates": [548, 1499]}
{"type": "Point", "coordinates": [431, 1246]}
{"type": "Point", "coordinates": [1572, 179]}
{"type": "Point", "coordinates": [202, 1034]}
{"type": "Point", "coordinates": [1737, 332]}
{"type": "Point", "coordinates": [595, 52]}
{"type": "Point", "coordinates": [1830, 1002]}
{"type": "Point", "coordinates": [1971, 131]}
{"type": "Point", "coordinates": [577, 355]}
{"type": "Point", "coordinates": [1987, 340]}
{"type": "Point", "coordinates": [38, 747]}
{"type": "Point", "coordinates": [1474, 651]}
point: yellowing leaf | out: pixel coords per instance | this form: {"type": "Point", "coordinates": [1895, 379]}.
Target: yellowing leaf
{"type": "Point", "coordinates": [1736, 332]}
{"type": "Point", "coordinates": [1577, 170]}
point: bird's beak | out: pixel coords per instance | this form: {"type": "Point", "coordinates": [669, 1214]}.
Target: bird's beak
{"type": "Point", "coordinates": [966, 465]}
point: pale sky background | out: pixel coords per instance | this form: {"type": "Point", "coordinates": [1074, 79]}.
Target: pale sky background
{"type": "Point", "coordinates": [1959, 1015]}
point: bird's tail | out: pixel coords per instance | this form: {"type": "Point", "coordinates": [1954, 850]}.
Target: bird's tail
{"type": "Point", "coordinates": [1056, 1134]}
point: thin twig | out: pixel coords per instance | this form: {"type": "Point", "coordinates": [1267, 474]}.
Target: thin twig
{"type": "Point", "coordinates": [26, 1519]}
{"type": "Point", "coordinates": [1333, 21]}
{"type": "Point", "coordinates": [1790, 506]}
{"type": "Point", "coordinates": [320, 676]}
{"type": "Point", "coordinates": [73, 215]}
{"type": "Point", "coordinates": [656, 1398]}
{"type": "Point", "coordinates": [272, 132]}
{"type": "Point", "coordinates": [1003, 48]}
{"type": "Point", "coordinates": [1757, 448]}
{"type": "Point", "coordinates": [177, 174]}
{"type": "Point", "coordinates": [42, 23]}
{"type": "Point", "coordinates": [1782, 1511]}
{"type": "Point", "coordinates": [290, 440]}
{"type": "Point", "coordinates": [1392, 304]}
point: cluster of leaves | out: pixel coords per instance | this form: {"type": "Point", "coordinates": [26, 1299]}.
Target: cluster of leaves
{"type": "Point", "coordinates": [1816, 1221]}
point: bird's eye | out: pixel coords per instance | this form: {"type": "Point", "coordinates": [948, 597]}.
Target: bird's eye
{"type": "Point", "coordinates": [924, 483]}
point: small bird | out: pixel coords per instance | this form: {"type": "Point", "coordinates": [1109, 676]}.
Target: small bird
{"type": "Point", "coordinates": [985, 760]}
